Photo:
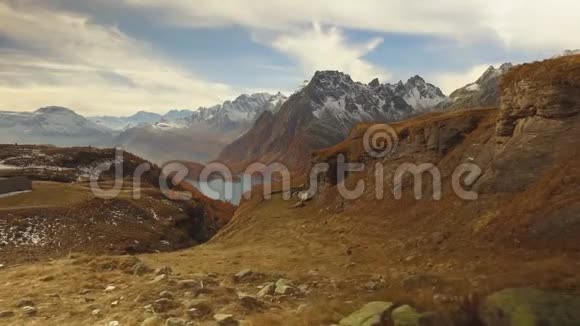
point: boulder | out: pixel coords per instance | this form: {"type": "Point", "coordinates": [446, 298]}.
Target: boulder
{"type": "Point", "coordinates": [284, 287]}
{"type": "Point", "coordinates": [225, 320]}
{"type": "Point", "coordinates": [267, 289]}
{"type": "Point", "coordinates": [242, 275]}
{"type": "Point", "coordinates": [369, 315]}
{"type": "Point", "coordinates": [29, 311]}
{"type": "Point", "coordinates": [405, 316]}
{"type": "Point", "coordinates": [529, 307]}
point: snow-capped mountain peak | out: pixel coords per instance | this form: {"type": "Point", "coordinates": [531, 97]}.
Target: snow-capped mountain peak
{"type": "Point", "coordinates": [335, 96]}
{"type": "Point", "coordinates": [244, 109]}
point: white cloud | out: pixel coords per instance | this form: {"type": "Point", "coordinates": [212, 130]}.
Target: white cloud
{"type": "Point", "coordinates": [65, 60]}
{"type": "Point", "coordinates": [448, 82]}
{"type": "Point", "coordinates": [317, 48]}
{"type": "Point", "coordinates": [538, 24]}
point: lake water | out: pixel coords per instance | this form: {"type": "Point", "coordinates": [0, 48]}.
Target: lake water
{"type": "Point", "coordinates": [216, 188]}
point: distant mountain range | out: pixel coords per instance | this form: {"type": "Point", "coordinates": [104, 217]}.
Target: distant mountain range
{"type": "Point", "coordinates": [258, 127]}
{"type": "Point", "coordinates": [200, 136]}
{"type": "Point", "coordinates": [140, 119]}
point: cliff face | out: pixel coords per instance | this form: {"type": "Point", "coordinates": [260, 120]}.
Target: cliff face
{"type": "Point", "coordinates": [546, 90]}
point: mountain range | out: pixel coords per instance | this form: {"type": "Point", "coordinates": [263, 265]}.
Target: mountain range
{"type": "Point", "coordinates": [322, 113]}
{"type": "Point", "coordinates": [257, 127]}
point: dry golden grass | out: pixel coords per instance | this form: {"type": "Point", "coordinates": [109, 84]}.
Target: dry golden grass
{"type": "Point", "coordinates": [51, 194]}
{"type": "Point", "coordinates": [561, 71]}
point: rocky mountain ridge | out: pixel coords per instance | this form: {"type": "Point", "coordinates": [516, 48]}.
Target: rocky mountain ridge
{"type": "Point", "coordinates": [322, 113]}
{"type": "Point", "coordinates": [484, 92]}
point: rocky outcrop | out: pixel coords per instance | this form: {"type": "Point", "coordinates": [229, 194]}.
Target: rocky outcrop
{"type": "Point", "coordinates": [547, 89]}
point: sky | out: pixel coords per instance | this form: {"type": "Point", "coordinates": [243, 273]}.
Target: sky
{"type": "Point", "coordinates": [116, 57]}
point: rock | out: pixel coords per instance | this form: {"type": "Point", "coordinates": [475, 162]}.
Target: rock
{"type": "Point", "coordinates": [369, 315]}
{"type": "Point", "coordinates": [24, 302]}
{"type": "Point", "coordinates": [250, 302]}
{"type": "Point", "coordinates": [54, 295]}
{"type": "Point", "coordinates": [303, 288]}
{"type": "Point", "coordinates": [6, 314]}
{"type": "Point", "coordinates": [405, 316]}
{"type": "Point", "coordinates": [242, 274]}
{"type": "Point", "coordinates": [284, 286]}
{"type": "Point", "coordinates": [268, 289]}
{"type": "Point", "coordinates": [198, 308]}
{"type": "Point", "coordinates": [373, 285]}
{"type": "Point", "coordinates": [163, 305]}
{"type": "Point", "coordinates": [175, 322]}
{"type": "Point", "coordinates": [284, 290]}
{"type": "Point", "coordinates": [225, 320]}
{"type": "Point", "coordinates": [535, 91]}
{"type": "Point", "coordinates": [29, 311]}
{"type": "Point", "coordinates": [526, 306]}
{"type": "Point", "coordinates": [96, 312]}
{"type": "Point", "coordinates": [188, 283]}
{"type": "Point", "coordinates": [165, 270]}
{"type": "Point", "coordinates": [420, 281]}
{"type": "Point", "coordinates": [158, 278]}
{"type": "Point", "coordinates": [115, 303]}
{"type": "Point", "coordinates": [110, 288]}
{"type": "Point", "coordinates": [166, 294]}
{"type": "Point", "coordinates": [85, 291]}
{"type": "Point", "coordinates": [152, 321]}
{"type": "Point", "coordinates": [141, 269]}
{"type": "Point", "coordinates": [114, 323]}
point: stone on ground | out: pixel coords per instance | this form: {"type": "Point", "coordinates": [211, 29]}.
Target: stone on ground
{"type": "Point", "coordinates": [370, 314]}
{"type": "Point", "coordinates": [225, 320]}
